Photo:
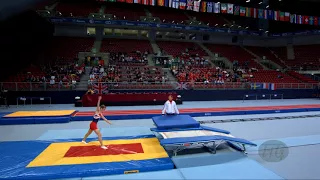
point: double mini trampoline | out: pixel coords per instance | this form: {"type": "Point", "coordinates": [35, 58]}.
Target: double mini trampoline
{"type": "Point", "coordinates": [181, 132]}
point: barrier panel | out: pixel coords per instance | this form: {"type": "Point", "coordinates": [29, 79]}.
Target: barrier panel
{"type": "Point", "coordinates": [36, 86]}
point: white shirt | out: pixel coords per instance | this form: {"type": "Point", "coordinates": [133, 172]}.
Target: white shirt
{"type": "Point", "coordinates": [170, 108]}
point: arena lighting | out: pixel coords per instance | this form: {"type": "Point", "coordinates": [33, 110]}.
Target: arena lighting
{"type": "Point", "coordinates": [260, 2]}
{"type": "Point", "coordinates": [239, 26]}
{"type": "Point", "coordinates": [247, 1]}
{"type": "Point", "coordinates": [216, 25]}
{"type": "Point", "coordinates": [247, 27]}
{"type": "Point", "coordinates": [267, 6]}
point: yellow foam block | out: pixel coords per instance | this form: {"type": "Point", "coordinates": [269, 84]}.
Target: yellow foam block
{"type": "Point", "coordinates": [53, 155]}
{"type": "Point", "coordinates": [40, 113]}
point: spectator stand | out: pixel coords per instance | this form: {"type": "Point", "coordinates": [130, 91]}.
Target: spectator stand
{"type": "Point", "coordinates": [262, 96]}
{"type": "Point", "coordinates": [33, 100]}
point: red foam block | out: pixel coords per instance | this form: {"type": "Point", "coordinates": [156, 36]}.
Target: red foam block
{"type": "Point", "coordinates": [113, 149]}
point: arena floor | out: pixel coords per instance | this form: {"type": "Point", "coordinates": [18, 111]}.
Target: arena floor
{"type": "Point", "coordinates": [301, 135]}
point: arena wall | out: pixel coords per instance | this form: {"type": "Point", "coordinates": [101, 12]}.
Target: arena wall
{"type": "Point", "coordinates": [68, 97]}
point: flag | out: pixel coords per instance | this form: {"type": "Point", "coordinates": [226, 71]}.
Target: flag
{"type": "Point", "coordinates": [209, 7]}
{"type": "Point", "coordinates": [260, 14]}
{"type": "Point", "coordinates": [159, 2]}
{"type": "Point", "coordinates": [270, 14]}
{"type": "Point", "coordinates": [281, 16]}
{"type": "Point", "coordinates": [315, 21]}
{"type": "Point", "coordinates": [254, 12]}
{"type": "Point", "coordinates": [286, 16]}
{"type": "Point", "coordinates": [305, 19]}
{"type": "Point", "coordinates": [168, 3]}
{"type": "Point", "coordinates": [265, 14]}
{"type": "Point", "coordinates": [311, 20]}
{"type": "Point", "coordinates": [182, 86]}
{"type": "Point", "coordinates": [256, 85]}
{"type": "Point", "coordinates": [248, 12]}
{"type": "Point", "coordinates": [272, 86]}
{"type": "Point", "coordinates": [242, 11]}
{"type": "Point", "coordinates": [276, 15]}
{"type": "Point", "coordinates": [292, 18]}
{"type": "Point", "coordinates": [121, 0]}
{"type": "Point", "coordinates": [300, 19]}
{"type": "Point", "coordinates": [196, 6]}
{"type": "Point", "coordinates": [175, 4]}
{"type": "Point", "coordinates": [223, 8]}
{"type": "Point", "coordinates": [236, 10]}
{"type": "Point", "coordinates": [111, 0]}
{"type": "Point", "coordinates": [129, 1]}
{"type": "Point", "coordinates": [216, 7]}
{"type": "Point", "coordinates": [152, 2]}
{"type": "Point", "coordinates": [182, 4]}
{"type": "Point", "coordinates": [190, 5]}
{"type": "Point", "coordinates": [230, 8]}
{"type": "Point", "coordinates": [145, 2]}
{"type": "Point", "coordinates": [100, 88]}
{"type": "Point", "coordinates": [203, 6]}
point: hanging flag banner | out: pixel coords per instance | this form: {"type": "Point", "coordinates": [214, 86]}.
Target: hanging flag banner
{"type": "Point", "coordinates": [224, 8]}
{"type": "Point", "coordinates": [236, 10]}
{"type": "Point", "coordinates": [196, 6]}
{"type": "Point", "coordinates": [242, 11]}
{"type": "Point", "coordinates": [210, 7]}
{"type": "Point", "coordinates": [230, 8]}
{"type": "Point", "coordinates": [216, 7]}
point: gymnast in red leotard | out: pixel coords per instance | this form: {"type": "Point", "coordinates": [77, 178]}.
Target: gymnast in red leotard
{"type": "Point", "coordinates": [94, 124]}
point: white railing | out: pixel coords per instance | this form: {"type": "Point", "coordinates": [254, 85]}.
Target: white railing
{"type": "Point", "coordinates": [35, 86]}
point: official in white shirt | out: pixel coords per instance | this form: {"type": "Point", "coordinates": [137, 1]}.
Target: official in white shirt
{"type": "Point", "coordinates": [170, 107]}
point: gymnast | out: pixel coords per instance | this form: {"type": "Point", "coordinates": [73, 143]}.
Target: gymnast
{"type": "Point", "coordinates": [170, 107]}
{"type": "Point", "coordinates": [94, 124]}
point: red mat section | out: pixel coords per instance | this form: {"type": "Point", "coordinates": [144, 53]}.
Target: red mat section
{"type": "Point", "coordinates": [195, 110]}
{"type": "Point", "coordinates": [113, 149]}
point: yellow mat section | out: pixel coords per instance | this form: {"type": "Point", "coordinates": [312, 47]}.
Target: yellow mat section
{"type": "Point", "coordinates": [54, 154]}
{"type": "Point", "coordinates": [40, 113]}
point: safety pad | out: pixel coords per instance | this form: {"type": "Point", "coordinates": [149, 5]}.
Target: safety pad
{"type": "Point", "coordinates": [183, 140]}
{"type": "Point", "coordinates": [40, 113]}
{"type": "Point", "coordinates": [34, 120]}
{"type": "Point", "coordinates": [171, 122]}
{"type": "Point", "coordinates": [70, 158]}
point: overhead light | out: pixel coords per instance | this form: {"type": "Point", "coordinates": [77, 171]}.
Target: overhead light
{"type": "Point", "coordinates": [224, 25]}
{"type": "Point", "coordinates": [231, 26]}
{"type": "Point", "coordinates": [239, 26]}
{"type": "Point", "coordinates": [279, 0]}
{"type": "Point", "coordinates": [218, 2]}
{"type": "Point", "coordinates": [260, 2]}
{"type": "Point", "coordinates": [247, 1]}
{"type": "Point", "coordinates": [267, 32]}
{"type": "Point", "coordinates": [216, 25]}
{"type": "Point", "coordinates": [267, 6]}
{"type": "Point", "coordinates": [247, 27]}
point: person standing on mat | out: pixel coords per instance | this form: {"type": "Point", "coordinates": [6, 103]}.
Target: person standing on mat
{"type": "Point", "coordinates": [170, 107]}
{"type": "Point", "coordinates": [94, 124]}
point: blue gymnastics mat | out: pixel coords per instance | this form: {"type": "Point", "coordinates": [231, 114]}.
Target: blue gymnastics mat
{"type": "Point", "coordinates": [17, 156]}
{"type": "Point", "coordinates": [224, 165]}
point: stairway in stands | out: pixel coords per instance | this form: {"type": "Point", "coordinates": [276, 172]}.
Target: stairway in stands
{"type": "Point", "coordinates": [83, 84]}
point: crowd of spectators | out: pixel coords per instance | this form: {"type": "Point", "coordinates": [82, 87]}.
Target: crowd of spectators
{"type": "Point", "coordinates": [133, 58]}
{"type": "Point", "coordinates": [61, 74]}
{"type": "Point", "coordinates": [113, 73]}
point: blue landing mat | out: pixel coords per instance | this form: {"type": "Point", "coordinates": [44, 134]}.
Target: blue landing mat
{"type": "Point", "coordinates": [15, 156]}
{"type": "Point", "coordinates": [290, 141]}
{"type": "Point", "coordinates": [227, 165]}
{"type": "Point", "coordinates": [169, 174]}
